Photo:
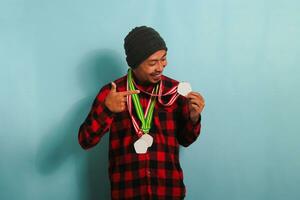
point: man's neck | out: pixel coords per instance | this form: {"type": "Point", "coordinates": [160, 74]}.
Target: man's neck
{"type": "Point", "coordinates": [143, 85]}
{"type": "Point", "coordinates": [141, 82]}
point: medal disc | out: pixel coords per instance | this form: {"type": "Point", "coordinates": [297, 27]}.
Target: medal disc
{"type": "Point", "coordinates": [184, 88]}
{"type": "Point", "coordinates": [140, 146]}
{"type": "Point", "coordinates": [148, 139]}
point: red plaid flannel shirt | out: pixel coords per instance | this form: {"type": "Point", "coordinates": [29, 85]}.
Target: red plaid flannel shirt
{"type": "Point", "coordinates": [156, 174]}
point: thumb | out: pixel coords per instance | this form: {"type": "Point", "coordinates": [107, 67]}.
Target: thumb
{"type": "Point", "coordinates": [113, 87]}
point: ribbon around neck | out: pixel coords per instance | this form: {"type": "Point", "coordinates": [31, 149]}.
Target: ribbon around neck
{"type": "Point", "coordinates": [146, 118]}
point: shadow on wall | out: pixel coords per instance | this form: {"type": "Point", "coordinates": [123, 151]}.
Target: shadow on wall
{"type": "Point", "coordinates": [91, 167]}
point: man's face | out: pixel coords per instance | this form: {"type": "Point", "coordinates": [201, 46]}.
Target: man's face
{"type": "Point", "coordinates": [151, 69]}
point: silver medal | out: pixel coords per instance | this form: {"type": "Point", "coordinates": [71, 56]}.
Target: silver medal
{"type": "Point", "coordinates": [184, 88]}
{"type": "Point", "coordinates": [148, 139]}
{"type": "Point", "coordinates": [140, 146]}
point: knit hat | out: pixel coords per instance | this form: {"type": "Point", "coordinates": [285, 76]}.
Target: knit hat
{"type": "Point", "coordinates": [140, 43]}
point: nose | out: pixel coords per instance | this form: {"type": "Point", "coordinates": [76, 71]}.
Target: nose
{"type": "Point", "coordinates": [160, 66]}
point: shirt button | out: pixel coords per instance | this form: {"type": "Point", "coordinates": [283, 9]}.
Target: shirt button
{"type": "Point", "coordinates": [148, 173]}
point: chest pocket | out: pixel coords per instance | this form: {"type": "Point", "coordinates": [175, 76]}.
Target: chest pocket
{"type": "Point", "coordinates": [167, 118]}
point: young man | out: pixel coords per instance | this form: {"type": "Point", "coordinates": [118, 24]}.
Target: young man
{"type": "Point", "coordinates": [147, 121]}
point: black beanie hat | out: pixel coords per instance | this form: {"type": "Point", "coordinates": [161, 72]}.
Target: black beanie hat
{"type": "Point", "coordinates": [140, 43]}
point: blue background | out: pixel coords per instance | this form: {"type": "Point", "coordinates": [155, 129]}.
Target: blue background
{"type": "Point", "coordinates": [242, 56]}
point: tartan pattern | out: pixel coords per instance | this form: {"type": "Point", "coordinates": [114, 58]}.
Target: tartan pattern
{"type": "Point", "coordinates": [156, 174]}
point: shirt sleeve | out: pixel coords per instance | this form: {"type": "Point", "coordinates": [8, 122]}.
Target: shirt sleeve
{"type": "Point", "coordinates": [188, 131]}
{"type": "Point", "coordinates": [97, 123]}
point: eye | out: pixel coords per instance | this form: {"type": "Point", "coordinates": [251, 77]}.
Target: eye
{"type": "Point", "coordinates": [152, 63]}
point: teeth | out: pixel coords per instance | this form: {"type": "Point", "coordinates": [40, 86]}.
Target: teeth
{"type": "Point", "coordinates": [157, 76]}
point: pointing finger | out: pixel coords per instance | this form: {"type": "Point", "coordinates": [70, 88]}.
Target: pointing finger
{"type": "Point", "coordinates": [129, 92]}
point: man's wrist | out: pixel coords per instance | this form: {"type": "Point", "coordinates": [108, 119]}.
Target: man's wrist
{"type": "Point", "coordinates": [107, 110]}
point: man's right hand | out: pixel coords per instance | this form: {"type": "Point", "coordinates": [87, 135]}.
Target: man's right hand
{"type": "Point", "coordinates": [116, 101]}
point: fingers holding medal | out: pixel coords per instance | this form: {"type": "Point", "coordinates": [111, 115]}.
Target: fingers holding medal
{"type": "Point", "coordinates": [196, 101]}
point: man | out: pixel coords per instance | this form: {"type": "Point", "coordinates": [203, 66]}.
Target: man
{"type": "Point", "coordinates": [147, 121]}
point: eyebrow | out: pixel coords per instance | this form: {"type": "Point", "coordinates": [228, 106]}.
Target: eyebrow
{"type": "Point", "coordinates": [157, 59]}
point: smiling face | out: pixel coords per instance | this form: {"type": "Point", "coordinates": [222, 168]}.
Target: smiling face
{"type": "Point", "coordinates": [151, 69]}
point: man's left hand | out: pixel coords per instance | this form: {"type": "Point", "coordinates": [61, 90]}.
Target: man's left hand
{"type": "Point", "coordinates": [196, 104]}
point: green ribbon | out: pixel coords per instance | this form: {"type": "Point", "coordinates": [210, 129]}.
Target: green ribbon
{"type": "Point", "coordinates": [146, 121]}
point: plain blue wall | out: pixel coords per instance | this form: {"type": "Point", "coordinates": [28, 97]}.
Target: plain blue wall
{"type": "Point", "coordinates": [243, 56]}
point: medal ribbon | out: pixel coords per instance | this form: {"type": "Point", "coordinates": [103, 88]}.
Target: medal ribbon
{"type": "Point", "coordinates": [172, 91]}
{"type": "Point", "coordinates": [146, 118]}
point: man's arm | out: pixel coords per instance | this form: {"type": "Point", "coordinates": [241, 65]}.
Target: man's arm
{"type": "Point", "coordinates": [97, 123]}
{"type": "Point", "coordinates": [188, 130]}
{"type": "Point", "coordinates": [107, 103]}
{"type": "Point", "coordinates": [190, 118]}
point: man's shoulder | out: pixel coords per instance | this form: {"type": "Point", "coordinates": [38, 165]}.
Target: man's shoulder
{"type": "Point", "coordinates": [169, 82]}
{"type": "Point", "coordinates": [120, 83]}
{"type": "Point", "coordinates": [121, 80]}
{"type": "Point", "coordinates": [169, 79]}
